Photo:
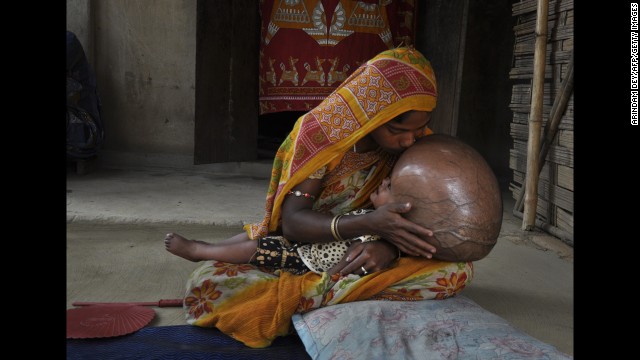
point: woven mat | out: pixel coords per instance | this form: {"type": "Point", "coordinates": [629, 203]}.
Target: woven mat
{"type": "Point", "coordinates": [182, 342]}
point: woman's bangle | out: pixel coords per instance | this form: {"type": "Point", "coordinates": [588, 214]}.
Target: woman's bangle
{"type": "Point", "coordinates": [301, 194]}
{"type": "Point", "coordinates": [334, 228]}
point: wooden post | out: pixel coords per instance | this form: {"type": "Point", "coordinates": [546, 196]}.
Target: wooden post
{"type": "Point", "coordinates": [535, 117]}
{"type": "Point", "coordinates": [555, 115]}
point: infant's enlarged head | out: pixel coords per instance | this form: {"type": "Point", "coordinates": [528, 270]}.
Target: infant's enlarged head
{"type": "Point", "coordinates": [453, 192]}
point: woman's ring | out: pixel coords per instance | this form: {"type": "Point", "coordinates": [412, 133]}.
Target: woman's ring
{"type": "Point", "coordinates": [364, 271]}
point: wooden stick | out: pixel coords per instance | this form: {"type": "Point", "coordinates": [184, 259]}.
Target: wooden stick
{"type": "Point", "coordinates": [557, 110]}
{"type": "Point", "coordinates": [535, 117]}
{"type": "Point", "coordinates": [161, 303]}
{"type": "Point", "coordinates": [563, 235]}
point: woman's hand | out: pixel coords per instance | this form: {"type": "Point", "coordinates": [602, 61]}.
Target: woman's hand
{"type": "Point", "coordinates": [371, 256]}
{"type": "Point", "coordinates": [408, 236]}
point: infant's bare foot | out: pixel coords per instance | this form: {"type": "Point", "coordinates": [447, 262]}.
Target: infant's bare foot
{"type": "Point", "coordinates": [182, 247]}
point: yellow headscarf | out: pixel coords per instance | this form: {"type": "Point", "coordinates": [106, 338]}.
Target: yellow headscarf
{"type": "Point", "coordinates": [393, 82]}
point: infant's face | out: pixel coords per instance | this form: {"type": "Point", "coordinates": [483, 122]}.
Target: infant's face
{"type": "Point", "coordinates": [405, 179]}
{"type": "Point", "coordinates": [383, 194]}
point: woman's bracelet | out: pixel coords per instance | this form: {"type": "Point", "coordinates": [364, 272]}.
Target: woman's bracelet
{"type": "Point", "coordinates": [334, 228]}
{"type": "Point", "coordinates": [301, 194]}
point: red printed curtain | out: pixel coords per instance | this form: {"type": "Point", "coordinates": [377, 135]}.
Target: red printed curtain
{"type": "Point", "coordinates": [308, 47]}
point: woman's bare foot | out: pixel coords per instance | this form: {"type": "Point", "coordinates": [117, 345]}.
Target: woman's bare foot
{"type": "Point", "coordinates": [185, 248]}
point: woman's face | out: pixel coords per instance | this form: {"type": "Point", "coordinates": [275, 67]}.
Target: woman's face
{"type": "Point", "coordinates": [399, 133]}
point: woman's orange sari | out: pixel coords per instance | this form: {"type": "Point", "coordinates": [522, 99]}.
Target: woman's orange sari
{"type": "Point", "coordinates": [255, 305]}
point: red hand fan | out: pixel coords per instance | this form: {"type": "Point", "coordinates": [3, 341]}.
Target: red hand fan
{"type": "Point", "coordinates": [99, 320]}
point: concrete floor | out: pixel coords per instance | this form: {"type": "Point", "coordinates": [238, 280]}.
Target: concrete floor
{"type": "Point", "coordinates": [117, 218]}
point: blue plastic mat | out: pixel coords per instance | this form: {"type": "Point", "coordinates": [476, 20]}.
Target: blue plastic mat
{"type": "Point", "coordinates": [182, 342]}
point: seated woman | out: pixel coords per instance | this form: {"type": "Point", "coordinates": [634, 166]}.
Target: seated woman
{"type": "Point", "coordinates": [334, 158]}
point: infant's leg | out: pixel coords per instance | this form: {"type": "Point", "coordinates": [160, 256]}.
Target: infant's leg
{"type": "Point", "coordinates": [237, 251]}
